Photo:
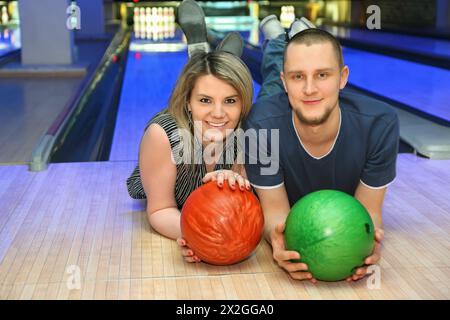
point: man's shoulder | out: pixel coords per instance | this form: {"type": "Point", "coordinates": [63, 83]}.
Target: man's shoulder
{"type": "Point", "coordinates": [367, 109]}
{"type": "Point", "coordinates": [270, 109]}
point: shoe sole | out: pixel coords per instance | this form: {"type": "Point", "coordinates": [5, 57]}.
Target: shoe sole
{"type": "Point", "coordinates": [267, 19]}
{"type": "Point", "coordinates": [194, 31]}
{"type": "Point", "coordinates": [239, 51]}
{"type": "Point", "coordinates": [308, 23]}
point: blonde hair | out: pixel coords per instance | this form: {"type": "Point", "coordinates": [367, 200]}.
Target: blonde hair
{"type": "Point", "coordinates": [220, 64]}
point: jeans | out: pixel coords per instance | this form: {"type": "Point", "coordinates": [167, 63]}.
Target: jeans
{"type": "Point", "coordinates": [271, 66]}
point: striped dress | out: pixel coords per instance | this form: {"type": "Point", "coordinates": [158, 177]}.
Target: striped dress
{"type": "Point", "coordinates": [187, 180]}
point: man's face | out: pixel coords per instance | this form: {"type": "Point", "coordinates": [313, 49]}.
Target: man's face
{"type": "Point", "coordinates": [312, 79]}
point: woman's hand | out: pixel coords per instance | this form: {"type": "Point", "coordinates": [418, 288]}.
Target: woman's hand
{"type": "Point", "coordinates": [232, 177]}
{"type": "Point", "coordinates": [186, 252]}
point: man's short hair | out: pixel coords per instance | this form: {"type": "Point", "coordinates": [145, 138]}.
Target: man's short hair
{"type": "Point", "coordinates": [313, 36]}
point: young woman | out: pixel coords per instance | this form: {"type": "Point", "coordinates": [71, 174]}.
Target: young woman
{"type": "Point", "coordinates": [189, 142]}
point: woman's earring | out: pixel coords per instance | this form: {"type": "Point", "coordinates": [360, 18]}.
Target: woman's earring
{"type": "Point", "coordinates": [189, 114]}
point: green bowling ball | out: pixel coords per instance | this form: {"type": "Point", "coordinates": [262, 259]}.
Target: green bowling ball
{"type": "Point", "coordinates": [333, 233]}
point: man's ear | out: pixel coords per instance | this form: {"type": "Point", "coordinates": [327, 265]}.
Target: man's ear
{"type": "Point", "coordinates": [283, 80]}
{"type": "Point", "coordinates": [344, 77]}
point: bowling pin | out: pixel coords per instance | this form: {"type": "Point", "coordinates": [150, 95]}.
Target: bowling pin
{"type": "Point", "coordinates": [292, 15]}
{"type": "Point", "coordinates": [172, 14]}
{"type": "Point", "coordinates": [283, 14]}
{"type": "Point", "coordinates": [5, 17]}
{"type": "Point", "coordinates": [142, 15]}
{"type": "Point", "coordinates": [165, 15]}
{"type": "Point", "coordinates": [284, 17]}
{"type": "Point", "coordinates": [160, 15]}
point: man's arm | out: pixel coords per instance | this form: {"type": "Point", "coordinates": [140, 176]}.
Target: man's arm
{"type": "Point", "coordinates": [275, 205]}
{"type": "Point", "coordinates": [372, 199]}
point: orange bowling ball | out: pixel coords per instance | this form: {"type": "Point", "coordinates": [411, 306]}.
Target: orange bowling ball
{"type": "Point", "coordinates": [222, 226]}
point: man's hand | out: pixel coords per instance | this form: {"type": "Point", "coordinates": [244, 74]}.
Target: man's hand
{"type": "Point", "coordinates": [296, 270]}
{"type": "Point", "coordinates": [373, 259]}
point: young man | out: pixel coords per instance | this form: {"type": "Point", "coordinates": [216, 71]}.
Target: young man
{"type": "Point", "coordinates": [327, 139]}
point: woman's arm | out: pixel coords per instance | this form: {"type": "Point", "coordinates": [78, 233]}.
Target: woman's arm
{"type": "Point", "coordinates": [158, 176]}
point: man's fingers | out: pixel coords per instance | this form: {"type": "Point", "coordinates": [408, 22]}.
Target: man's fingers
{"type": "Point", "coordinates": [376, 255]}
{"type": "Point", "coordinates": [361, 271]}
{"type": "Point", "coordinates": [379, 234]}
{"type": "Point", "coordinates": [373, 259]}
{"type": "Point", "coordinates": [294, 267]}
{"type": "Point", "coordinates": [279, 228]}
{"type": "Point", "coordinates": [356, 277]}
{"type": "Point", "coordinates": [301, 275]}
{"type": "Point", "coordinates": [283, 255]}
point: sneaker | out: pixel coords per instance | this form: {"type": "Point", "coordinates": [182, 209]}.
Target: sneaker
{"type": "Point", "coordinates": [300, 25]}
{"type": "Point", "coordinates": [191, 19]}
{"type": "Point", "coordinates": [232, 43]}
{"type": "Point", "coordinates": [271, 27]}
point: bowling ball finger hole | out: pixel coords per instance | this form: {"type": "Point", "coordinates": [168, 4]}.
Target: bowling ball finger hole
{"type": "Point", "coordinates": [367, 228]}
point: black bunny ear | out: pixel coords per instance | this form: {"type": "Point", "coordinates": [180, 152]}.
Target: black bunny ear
{"type": "Point", "coordinates": [232, 43]}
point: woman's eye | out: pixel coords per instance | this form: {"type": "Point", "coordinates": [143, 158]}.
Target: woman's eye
{"type": "Point", "coordinates": [230, 101]}
{"type": "Point", "coordinates": [204, 100]}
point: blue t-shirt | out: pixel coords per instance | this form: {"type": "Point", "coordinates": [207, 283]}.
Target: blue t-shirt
{"type": "Point", "coordinates": [365, 149]}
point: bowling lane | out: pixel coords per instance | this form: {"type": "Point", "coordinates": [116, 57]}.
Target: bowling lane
{"type": "Point", "coordinates": [422, 87]}
{"type": "Point", "coordinates": [427, 46]}
{"type": "Point", "coordinates": [9, 40]}
{"type": "Point", "coordinates": [154, 64]}
{"type": "Point", "coordinates": [152, 69]}
{"type": "Point", "coordinates": [419, 86]}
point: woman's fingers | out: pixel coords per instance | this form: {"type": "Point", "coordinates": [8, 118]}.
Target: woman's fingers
{"type": "Point", "coordinates": [232, 181]}
{"type": "Point", "coordinates": [181, 242]}
{"type": "Point", "coordinates": [190, 259]}
{"type": "Point", "coordinates": [212, 176]}
{"type": "Point", "coordinates": [186, 252]}
{"type": "Point", "coordinates": [230, 176]}
{"type": "Point", "coordinates": [220, 178]}
{"type": "Point", "coordinates": [241, 182]}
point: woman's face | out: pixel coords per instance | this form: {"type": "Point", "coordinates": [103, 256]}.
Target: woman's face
{"type": "Point", "coordinates": [216, 108]}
